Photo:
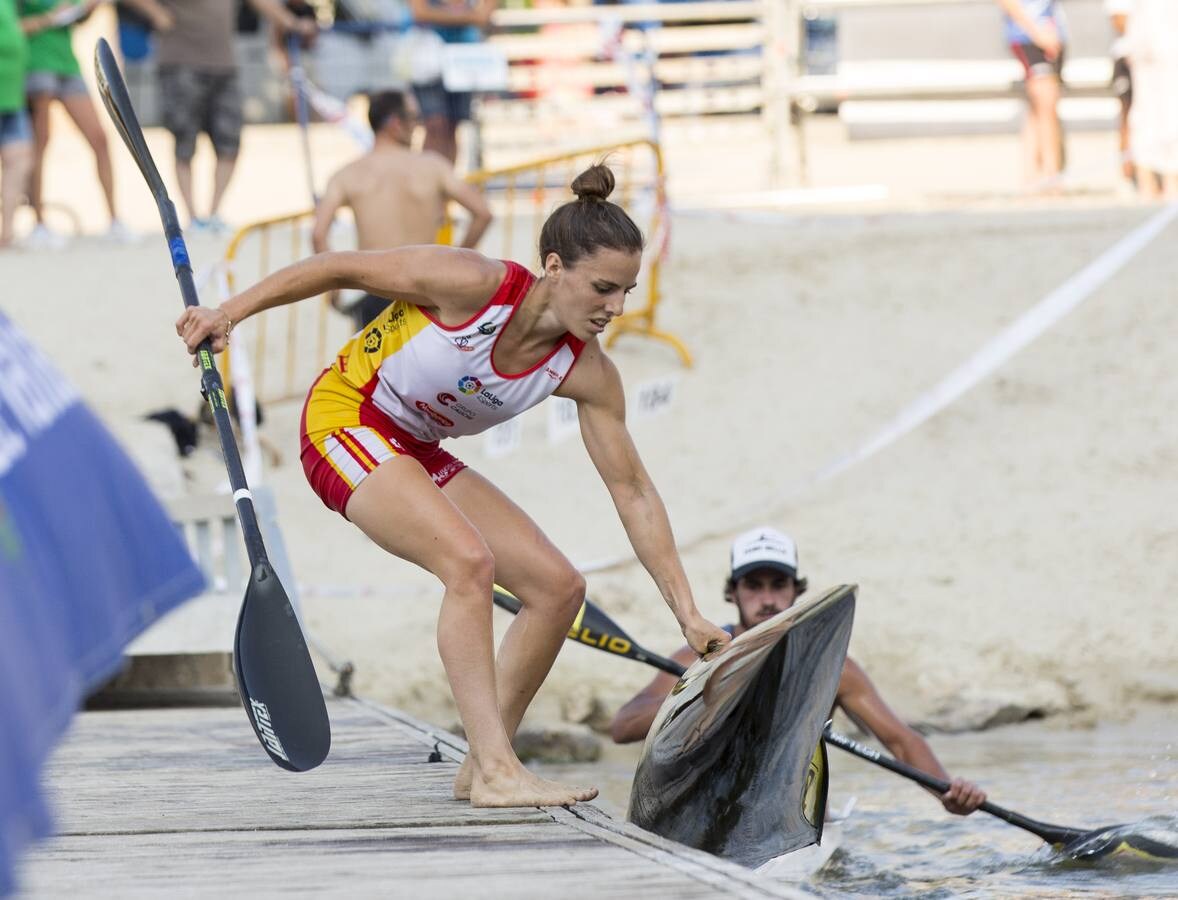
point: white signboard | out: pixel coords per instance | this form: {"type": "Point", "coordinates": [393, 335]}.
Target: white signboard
{"type": "Point", "coordinates": [654, 396]}
{"type": "Point", "coordinates": [503, 439]}
{"type": "Point", "coordinates": [473, 67]}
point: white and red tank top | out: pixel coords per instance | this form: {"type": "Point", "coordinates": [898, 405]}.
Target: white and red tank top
{"type": "Point", "coordinates": [437, 381]}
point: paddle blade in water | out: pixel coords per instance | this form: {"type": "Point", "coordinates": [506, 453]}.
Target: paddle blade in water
{"type": "Point", "coordinates": [1153, 839]}
{"type": "Point", "coordinates": [276, 679]}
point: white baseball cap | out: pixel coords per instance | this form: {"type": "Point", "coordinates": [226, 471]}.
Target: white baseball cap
{"type": "Point", "coordinates": [764, 548]}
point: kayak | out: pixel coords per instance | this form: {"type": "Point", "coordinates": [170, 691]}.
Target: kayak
{"type": "Point", "coordinates": [805, 862]}
{"type": "Point", "coordinates": [734, 763]}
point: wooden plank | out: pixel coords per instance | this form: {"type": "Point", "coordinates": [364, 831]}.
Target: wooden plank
{"type": "Point", "coordinates": [164, 802]}
{"type": "Point", "coordinates": [508, 861]}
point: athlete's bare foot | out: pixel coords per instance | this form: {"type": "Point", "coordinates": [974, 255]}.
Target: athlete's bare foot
{"type": "Point", "coordinates": [463, 779]}
{"type": "Point", "coordinates": [523, 788]}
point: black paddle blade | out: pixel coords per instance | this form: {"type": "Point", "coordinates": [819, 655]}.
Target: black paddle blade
{"type": "Point", "coordinates": [276, 679]}
{"type": "Point", "coordinates": [113, 90]}
{"type": "Point", "coordinates": [1133, 840]}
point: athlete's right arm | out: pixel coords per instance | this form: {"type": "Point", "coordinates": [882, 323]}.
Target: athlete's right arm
{"type": "Point", "coordinates": [449, 282]}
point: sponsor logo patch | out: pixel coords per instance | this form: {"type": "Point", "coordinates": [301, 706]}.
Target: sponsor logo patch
{"type": "Point", "coordinates": [452, 405]}
{"type": "Point", "coordinates": [372, 340]}
{"type": "Point", "coordinates": [468, 384]}
{"type": "Point", "coordinates": [395, 320]}
{"type": "Point", "coordinates": [434, 414]}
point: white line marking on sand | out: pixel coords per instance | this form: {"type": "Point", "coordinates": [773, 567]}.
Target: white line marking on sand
{"type": "Point", "coordinates": [989, 357]}
{"type": "Point", "coordinates": [1007, 342]}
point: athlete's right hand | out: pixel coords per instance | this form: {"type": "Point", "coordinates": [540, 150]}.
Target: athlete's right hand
{"type": "Point", "coordinates": [704, 637]}
{"type": "Point", "coordinates": [199, 322]}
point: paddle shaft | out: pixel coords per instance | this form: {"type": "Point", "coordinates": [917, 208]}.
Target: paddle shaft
{"type": "Point", "coordinates": [1053, 834]}
{"type": "Point", "coordinates": [298, 84]}
{"type": "Point", "coordinates": [118, 104]}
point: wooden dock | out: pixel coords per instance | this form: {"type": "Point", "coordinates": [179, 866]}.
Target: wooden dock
{"type": "Point", "coordinates": [183, 803]}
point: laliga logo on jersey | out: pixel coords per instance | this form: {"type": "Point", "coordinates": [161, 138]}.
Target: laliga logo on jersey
{"type": "Point", "coordinates": [468, 384]}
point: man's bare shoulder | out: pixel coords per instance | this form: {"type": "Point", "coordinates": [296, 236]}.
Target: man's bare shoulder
{"type": "Point", "coordinates": [346, 176]}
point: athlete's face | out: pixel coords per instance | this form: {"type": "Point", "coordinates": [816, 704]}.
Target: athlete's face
{"type": "Point", "coordinates": [591, 293]}
{"type": "Point", "coordinates": [762, 594]}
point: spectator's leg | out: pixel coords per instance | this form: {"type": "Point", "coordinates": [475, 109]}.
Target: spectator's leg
{"type": "Point", "coordinates": [1147, 184]}
{"type": "Point", "coordinates": [1126, 157]}
{"type": "Point", "coordinates": [39, 113]}
{"type": "Point", "coordinates": [184, 182]}
{"type": "Point", "coordinates": [221, 177]}
{"type": "Point", "coordinates": [81, 110]}
{"type": "Point", "coordinates": [1123, 74]}
{"type": "Point", "coordinates": [180, 101]}
{"type": "Point", "coordinates": [1043, 93]}
{"type": "Point", "coordinates": [224, 127]}
{"type": "Point", "coordinates": [16, 161]}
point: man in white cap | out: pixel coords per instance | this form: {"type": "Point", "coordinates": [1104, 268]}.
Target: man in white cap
{"type": "Point", "coordinates": [764, 581]}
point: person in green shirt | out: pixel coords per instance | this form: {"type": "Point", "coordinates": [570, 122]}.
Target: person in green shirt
{"type": "Point", "coordinates": [16, 147]}
{"type": "Point", "coordinates": [54, 74]}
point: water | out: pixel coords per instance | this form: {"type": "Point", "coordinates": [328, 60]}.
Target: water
{"type": "Point", "coordinates": [900, 843]}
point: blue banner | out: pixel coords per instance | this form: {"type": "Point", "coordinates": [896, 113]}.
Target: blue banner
{"type": "Point", "coordinates": [88, 559]}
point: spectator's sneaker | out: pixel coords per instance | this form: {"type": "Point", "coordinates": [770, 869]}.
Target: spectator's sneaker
{"type": "Point", "coordinates": [198, 226]}
{"type": "Point", "coordinates": [118, 233]}
{"type": "Point", "coordinates": [43, 238]}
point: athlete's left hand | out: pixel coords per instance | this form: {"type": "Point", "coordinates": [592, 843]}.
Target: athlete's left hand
{"type": "Point", "coordinates": [963, 797]}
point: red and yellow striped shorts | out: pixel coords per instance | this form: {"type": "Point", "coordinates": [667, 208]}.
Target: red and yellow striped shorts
{"type": "Point", "coordinates": [343, 437]}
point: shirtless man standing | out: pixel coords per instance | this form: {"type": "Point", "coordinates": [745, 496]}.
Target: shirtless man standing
{"type": "Point", "coordinates": [398, 196]}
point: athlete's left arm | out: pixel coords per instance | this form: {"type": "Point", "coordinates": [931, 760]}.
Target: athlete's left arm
{"type": "Point", "coordinates": [595, 385]}
{"type": "Point", "coordinates": [861, 701]}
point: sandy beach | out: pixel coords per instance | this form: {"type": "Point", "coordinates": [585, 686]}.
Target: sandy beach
{"type": "Point", "coordinates": [1015, 553]}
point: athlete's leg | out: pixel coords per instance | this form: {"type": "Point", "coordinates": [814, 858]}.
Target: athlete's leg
{"type": "Point", "coordinates": [81, 110]}
{"type": "Point", "coordinates": [400, 508]}
{"type": "Point", "coordinates": [549, 588]}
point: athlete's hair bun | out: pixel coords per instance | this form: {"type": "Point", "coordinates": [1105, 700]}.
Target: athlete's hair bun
{"type": "Point", "coordinates": [595, 183]}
